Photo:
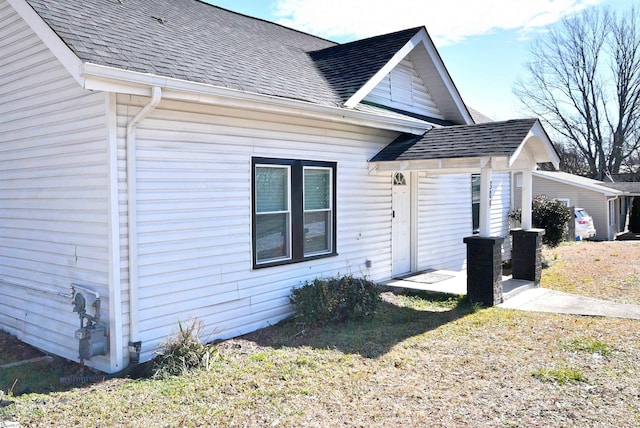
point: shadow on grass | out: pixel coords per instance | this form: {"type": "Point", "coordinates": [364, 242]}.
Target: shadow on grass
{"type": "Point", "coordinates": [391, 325]}
{"type": "Point", "coordinates": [36, 377]}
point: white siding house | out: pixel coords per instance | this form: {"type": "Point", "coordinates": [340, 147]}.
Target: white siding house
{"type": "Point", "coordinates": [54, 188]}
{"type": "Point", "coordinates": [131, 168]}
{"type": "Point", "coordinates": [601, 202]}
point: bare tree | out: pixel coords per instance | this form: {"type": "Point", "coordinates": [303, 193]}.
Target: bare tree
{"type": "Point", "coordinates": [571, 160]}
{"type": "Point", "coordinates": [584, 82]}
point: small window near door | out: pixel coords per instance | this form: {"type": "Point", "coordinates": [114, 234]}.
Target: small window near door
{"type": "Point", "coordinates": [399, 180]}
{"type": "Point", "coordinates": [475, 203]}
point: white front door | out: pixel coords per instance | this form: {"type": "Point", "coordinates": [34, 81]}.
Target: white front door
{"type": "Point", "coordinates": [401, 224]}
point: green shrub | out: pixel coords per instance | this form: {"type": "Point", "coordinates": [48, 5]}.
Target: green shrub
{"type": "Point", "coordinates": [184, 351]}
{"type": "Point", "coordinates": [550, 215]}
{"type": "Point", "coordinates": [335, 300]}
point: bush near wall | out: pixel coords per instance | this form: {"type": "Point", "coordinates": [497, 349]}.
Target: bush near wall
{"type": "Point", "coordinates": [335, 300]}
{"type": "Point", "coordinates": [550, 215]}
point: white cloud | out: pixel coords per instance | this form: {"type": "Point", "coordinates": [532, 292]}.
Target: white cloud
{"type": "Point", "coordinates": [448, 21]}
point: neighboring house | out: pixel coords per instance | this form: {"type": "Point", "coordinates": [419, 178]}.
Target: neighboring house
{"type": "Point", "coordinates": [607, 206]}
{"type": "Point", "coordinates": [631, 196]}
{"type": "Point", "coordinates": [170, 159]}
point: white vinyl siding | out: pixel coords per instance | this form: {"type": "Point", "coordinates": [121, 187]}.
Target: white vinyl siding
{"type": "Point", "coordinates": [53, 192]}
{"type": "Point", "coordinates": [404, 89]}
{"type": "Point", "coordinates": [194, 213]}
{"type": "Point", "coordinates": [500, 207]}
{"type": "Point", "coordinates": [445, 218]}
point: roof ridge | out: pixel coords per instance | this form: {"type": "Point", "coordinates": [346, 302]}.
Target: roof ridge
{"type": "Point", "coordinates": [413, 30]}
{"type": "Point", "coordinates": [502, 122]}
{"type": "Point", "coordinates": [267, 21]}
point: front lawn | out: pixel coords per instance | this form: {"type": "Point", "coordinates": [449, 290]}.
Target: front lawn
{"type": "Point", "coordinates": [422, 361]}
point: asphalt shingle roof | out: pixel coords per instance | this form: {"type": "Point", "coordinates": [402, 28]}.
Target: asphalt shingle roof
{"type": "Point", "coordinates": [625, 182]}
{"type": "Point", "coordinates": [578, 180]}
{"type": "Point", "coordinates": [198, 42]}
{"type": "Point", "coordinates": [348, 67]}
{"type": "Point", "coordinates": [625, 186]}
{"type": "Point", "coordinates": [485, 139]}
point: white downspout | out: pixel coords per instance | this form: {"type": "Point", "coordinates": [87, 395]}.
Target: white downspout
{"type": "Point", "coordinates": [156, 96]}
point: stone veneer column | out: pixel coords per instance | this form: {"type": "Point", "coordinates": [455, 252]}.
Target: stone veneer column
{"type": "Point", "coordinates": [484, 269]}
{"type": "Point", "coordinates": [526, 254]}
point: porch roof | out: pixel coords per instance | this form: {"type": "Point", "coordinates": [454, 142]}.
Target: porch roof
{"type": "Point", "coordinates": [519, 143]}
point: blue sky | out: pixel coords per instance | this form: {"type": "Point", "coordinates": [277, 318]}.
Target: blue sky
{"type": "Point", "coordinates": [483, 43]}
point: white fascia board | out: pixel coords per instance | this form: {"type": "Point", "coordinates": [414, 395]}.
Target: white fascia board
{"type": "Point", "coordinates": [386, 69]}
{"type": "Point", "coordinates": [421, 37]}
{"type": "Point", "coordinates": [443, 166]}
{"type": "Point", "coordinates": [67, 58]}
{"type": "Point", "coordinates": [539, 131]}
{"type": "Point", "coordinates": [544, 153]}
{"type": "Point", "coordinates": [110, 79]}
{"type": "Point", "coordinates": [445, 76]}
{"type": "Point", "coordinates": [591, 187]}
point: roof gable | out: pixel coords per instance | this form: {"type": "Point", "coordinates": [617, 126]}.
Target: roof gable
{"type": "Point", "coordinates": [511, 140]}
{"type": "Point", "coordinates": [422, 53]}
{"type": "Point", "coordinates": [348, 67]}
{"type": "Point", "coordinates": [404, 89]}
{"type": "Point", "coordinates": [192, 41]}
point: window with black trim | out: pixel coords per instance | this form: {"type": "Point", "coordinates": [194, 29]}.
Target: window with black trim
{"type": "Point", "coordinates": [294, 215]}
{"type": "Point", "coordinates": [475, 203]}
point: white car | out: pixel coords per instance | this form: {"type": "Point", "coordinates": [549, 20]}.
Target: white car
{"type": "Point", "coordinates": [584, 225]}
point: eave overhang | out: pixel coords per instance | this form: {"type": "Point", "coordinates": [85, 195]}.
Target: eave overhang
{"type": "Point", "coordinates": [442, 151]}
{"type": "Point", "coordinates": [109, 79]}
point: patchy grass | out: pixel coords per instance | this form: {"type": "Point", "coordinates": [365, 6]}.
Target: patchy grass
{"type": "Point", "coordinates": [583, 344]}
{"type": "Point", "coordinates": [428, 301]}
{"type": "Point", "coordinates": [29, 378]}
{"type": "Point", "coordinates": [604, 270]}
{"type": "Point", "coordinates": [561, 376]}
{"type": "Point", "coordinates": [423, 360]}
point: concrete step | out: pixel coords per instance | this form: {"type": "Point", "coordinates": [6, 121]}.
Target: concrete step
{"type": "Point", "coordinates": [513, 287]}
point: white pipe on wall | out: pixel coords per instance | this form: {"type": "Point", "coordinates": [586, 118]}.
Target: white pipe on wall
{"type": "Point", "coordinates": [156, 96]}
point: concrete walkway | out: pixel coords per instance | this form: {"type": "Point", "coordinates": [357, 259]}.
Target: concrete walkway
{"type": "Point", "coordinates": [518, 294]}
{"type": "Point", "coordinates": [545, 300]}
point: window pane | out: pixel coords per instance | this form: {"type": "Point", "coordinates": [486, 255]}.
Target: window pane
{"type": "Point", "coordinates": [317, 232]}
{"type": "Point", "coordinates": [272, 237]}
{"type": "Point", "coordinates": [272, 189]}
{"type": "Point", "coordinates": [317, 185]}
{"type": "Point", "coordinates": [475, 212]}
{"type": "Point", "coordinates": [399, 180]}
{"type": "Point", "coordinates": [475, 189]}
{"type": "Point", "coordinates": [475, 203]}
